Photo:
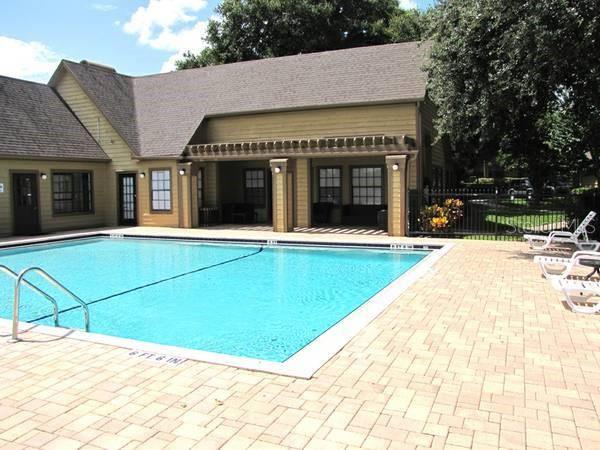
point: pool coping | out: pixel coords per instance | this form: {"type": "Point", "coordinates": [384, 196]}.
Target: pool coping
{"type": "Point", "coordinates": [306, 361]}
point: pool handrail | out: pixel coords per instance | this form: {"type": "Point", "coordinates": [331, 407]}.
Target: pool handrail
{"type": "Point", "coordinates": [7, 270]}
{"type": "Point", "coordinates": [51, 280]}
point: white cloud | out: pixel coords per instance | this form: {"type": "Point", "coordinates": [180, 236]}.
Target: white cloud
{"type": "Point", "coordinates": [104, 7]}
{"type": "Point", "coordinates": [408, 4]}
{"type": "Point", "coordinates": [169, 25]}
{"type": "Point", "coordinates": [169, 64]}
{"type": "Point", "coordinates": [30, 60]}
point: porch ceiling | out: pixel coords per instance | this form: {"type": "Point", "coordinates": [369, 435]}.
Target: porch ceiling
{"type": "Point", "coordinates": [315, 147]}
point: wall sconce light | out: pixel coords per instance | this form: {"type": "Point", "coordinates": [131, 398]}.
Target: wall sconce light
{"type": "Point", "coordinates": [277, 169]}
{"type": "Point", "coordinates": [182, 171]}
{"type": "Point", "coordinates": [142, 175]}
{"type": "Point", "coordinates": [43, 176]}
{"type": "Point", "coordinates": [395, 167]}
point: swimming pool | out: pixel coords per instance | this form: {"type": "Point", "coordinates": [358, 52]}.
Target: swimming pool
{"type": "Point", "coordinates": [244, 300]}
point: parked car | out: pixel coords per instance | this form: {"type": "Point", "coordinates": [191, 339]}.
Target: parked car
{"type": "Point", "coordinates": [556, 188]}
{"type": "Point", "coordinates": [563, 188]}
{"type": "Point", "coordinates": [548, 189]}
{"type": "Point", "coordinates": [520, 187]}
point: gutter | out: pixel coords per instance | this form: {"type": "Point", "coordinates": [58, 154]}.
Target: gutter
{"type": "Point", "coordinates": [154, 158]}
{"type": "Point", "coordinates": [5, 156]}
{"type": "Point", "coordinates": [320, 106]}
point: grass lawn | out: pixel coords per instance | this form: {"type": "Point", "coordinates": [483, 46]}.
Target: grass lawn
{"type": "Point", "coordinates": [526, 215]}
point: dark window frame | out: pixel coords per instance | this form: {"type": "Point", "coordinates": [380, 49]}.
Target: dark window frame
{"type": "Point", "coordinates": [249, 198]}
{"type": "Point", "coordinates": [152, 190]}
{"type": "Point", "coordinates": [321, 189]}
{"type": "Point", "coordinates": [353, 186]}
{"type": "Point", "coordinates": [73, 194]}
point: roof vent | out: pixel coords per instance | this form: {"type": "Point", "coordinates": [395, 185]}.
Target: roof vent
{"type": "Point", "coordinates": [98, 66]}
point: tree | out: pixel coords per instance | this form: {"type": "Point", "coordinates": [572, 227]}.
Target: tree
{"type": "Point", "coordinates": [503, 74]}
{"type": "Point", "coordinates": [254, 29]}
{"type": "Point", "coordinates": [409, 25]}
{"type": "Point", "coordinates": [584, 81]}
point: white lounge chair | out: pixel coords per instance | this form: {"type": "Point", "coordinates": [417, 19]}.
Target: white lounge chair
{"type": "Point", "coordinates": [579, 237]}
{"type": "Point", "coordinates": [584, 290]}
{"type": "Point", "coordinates": [566, 265]}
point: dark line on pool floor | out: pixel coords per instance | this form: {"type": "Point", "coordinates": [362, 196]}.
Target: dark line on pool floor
{"type": "Point", "coordinates": [154, 283]}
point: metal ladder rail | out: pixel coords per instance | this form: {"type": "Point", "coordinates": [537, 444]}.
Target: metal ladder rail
{"type": "Point", "coordinates": [13, 274]}
{"type": "Point", "coordinates": [51, 280]}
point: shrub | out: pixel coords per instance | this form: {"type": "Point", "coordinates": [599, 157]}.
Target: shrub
{"type": "Point", "coordinates": [437, 219]}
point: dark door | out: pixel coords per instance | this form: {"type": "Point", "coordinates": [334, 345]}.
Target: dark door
{"type": "Point", "coordinates": [127, 199]}
{"type": "Point", "coordinates": [25, 203]}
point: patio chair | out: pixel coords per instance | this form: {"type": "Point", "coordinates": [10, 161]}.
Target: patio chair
{"type": "Point", "coordinates": [584, 290]}
{"type": "Point", "coordinates": [579, 237]}
{"type": "Point", "coordinates": [566, 265]}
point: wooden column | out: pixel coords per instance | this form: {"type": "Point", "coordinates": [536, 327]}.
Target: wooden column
{"type": "Point", "coordinates": [194, 195]}
{"type": "Point", "coordinates": [397, 183]}
{"type": "Point", "coordinates": [303, 193]}
{"type": "Point", "coordinates": [282, 189]}
{"type": "Point", "coordinates": [184, 183]}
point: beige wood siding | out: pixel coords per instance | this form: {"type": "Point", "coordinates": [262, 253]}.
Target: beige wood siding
{"type": "Point", "coordinates": [397, 195]}
{"type": "Point", "coordinates": [397, 119]}
{"type": "Point", "coordinates": [97, 125]}
{"type": "Point", "coordinates": [48, 220]}
{"type": "Point", "coordinates": [211, 183]}
{"type": "Point", "coordinates": [146, 215]}
{"type": "Point", "coordinates": [121, 155]}
{"type": "Point", "coordinates": [302, 191]}
{"type": "Point", "coordinates": [280, 198]}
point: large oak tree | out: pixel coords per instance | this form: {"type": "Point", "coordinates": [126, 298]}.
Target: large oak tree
{"type": "Point", "coordinates": [254, 29]}
{"type": "Point", "coordinates": [518, 81]}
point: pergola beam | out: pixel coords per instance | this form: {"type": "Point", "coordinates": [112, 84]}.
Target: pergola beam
{"type": "Point", "coordinates": [310, 147]}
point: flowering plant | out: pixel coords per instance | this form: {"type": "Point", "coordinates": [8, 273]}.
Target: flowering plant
{"type": "Point", "coordinates": [438, 218]}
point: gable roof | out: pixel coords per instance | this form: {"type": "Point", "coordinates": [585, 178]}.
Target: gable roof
{"type": "Point", "coordinates": [112, 93]}
{"type": "Point", "coordinates": [157, 115]}
{"type": "Point", "coordinates": [36, 123]}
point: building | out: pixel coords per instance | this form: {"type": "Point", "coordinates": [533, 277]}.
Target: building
{"type": "Point", "coordinates": [323, 138]}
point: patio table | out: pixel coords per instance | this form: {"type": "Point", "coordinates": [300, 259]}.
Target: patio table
{"type": "Point", "coordinates": [594, 263]}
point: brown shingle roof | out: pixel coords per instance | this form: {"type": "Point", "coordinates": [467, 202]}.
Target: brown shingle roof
{"type": "Point", "coordinates": [35, 122]}
{"type": "Point", "coordinates": [112, 93]}
{"type": "Point", "coordinates": [158, 114]}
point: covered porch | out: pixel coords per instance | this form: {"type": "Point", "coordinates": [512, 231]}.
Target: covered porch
{"type": "Point", "coordinates": [310, 184]}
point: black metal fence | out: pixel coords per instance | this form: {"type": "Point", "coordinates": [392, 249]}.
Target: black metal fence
{"type": "Point", "coordinates": [485, 214]}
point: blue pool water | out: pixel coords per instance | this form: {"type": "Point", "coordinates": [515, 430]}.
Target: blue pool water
{"type": "Point", "coordinates": [242, 300]}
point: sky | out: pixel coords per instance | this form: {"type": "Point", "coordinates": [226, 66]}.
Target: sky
{"type": "Point", "coordinates": [136, 37]}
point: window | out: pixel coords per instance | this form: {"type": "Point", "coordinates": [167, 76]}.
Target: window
{"type": "Point", "coordinates": [160, 181]}
{"type": "Point", "coordinates": [330, 185]}
{"type": "Point", "coordinates": [71, 192]}
{"type": "Point", "coordinates": [200, 189]}
{"type": "Point", "coordinates": [367, 185]}
{"type": "Point", "coordinates": [254, 183]}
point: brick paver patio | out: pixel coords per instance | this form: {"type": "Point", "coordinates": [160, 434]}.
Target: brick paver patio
{"type": "Point", "coordinates": [480, 353]}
